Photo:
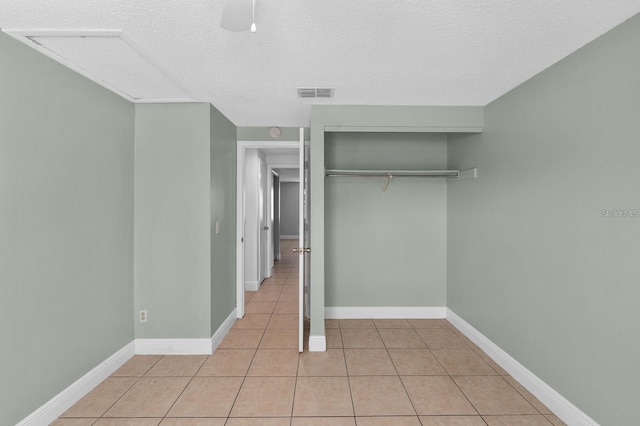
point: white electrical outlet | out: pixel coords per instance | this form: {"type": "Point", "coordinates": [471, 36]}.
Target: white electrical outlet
{"type": "Point", "coordinates": [143, 315]}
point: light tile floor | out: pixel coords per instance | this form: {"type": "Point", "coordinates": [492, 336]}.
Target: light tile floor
{"type": "Point", "coordinates": [375, 372]}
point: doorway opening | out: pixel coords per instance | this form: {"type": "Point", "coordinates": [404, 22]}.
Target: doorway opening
{"type": "Point", "coordinates": [262, 166]}
{"type": "Point", "coordinates": [257, 165]}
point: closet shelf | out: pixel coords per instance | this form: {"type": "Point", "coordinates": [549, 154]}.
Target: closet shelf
{"type": "Point", "coordinates": [394, 173]}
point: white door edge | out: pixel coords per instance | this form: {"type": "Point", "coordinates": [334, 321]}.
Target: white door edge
{"type": "Point", "coordinates": [301, 243]}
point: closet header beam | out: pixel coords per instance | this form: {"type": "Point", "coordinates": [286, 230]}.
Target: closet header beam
{"type": "Point", "coordinates": [405, 129]}
{"type": "Point", "coordinates": [394, 173]}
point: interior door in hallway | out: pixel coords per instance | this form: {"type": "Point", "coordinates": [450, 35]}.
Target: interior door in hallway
{"type": "Point", "coordinates": [263, 222]}
{"type": "Point", "coordinates": [304, 249]}
{"type": "Point", "coordinates": [275, 220]}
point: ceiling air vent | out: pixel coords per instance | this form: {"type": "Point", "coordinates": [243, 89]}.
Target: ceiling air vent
{"type": "Point", "coordinates": [315, 92]}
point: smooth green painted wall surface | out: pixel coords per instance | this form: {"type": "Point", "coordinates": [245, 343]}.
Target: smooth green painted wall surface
{"type": "Point", "coordinates": [385, 250]}
{"type": "Point", "coordinates": [533, 262]}
{"type": "Point", "coordinates": [223, 210]}
{"type": "Point", "coordinates": [289, 208]}
{"type": "Point", "coordinates": [359, 118]}
{"type": "Point", "coordinates": [173, 220]}
{"type": "Point", "coordinates": [66, 227]}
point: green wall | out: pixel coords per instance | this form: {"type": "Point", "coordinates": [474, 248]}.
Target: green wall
{"type": "Point", "coordinates": [533, 262]}
{"type": "Point", "coordinates": [403, 232]}
{"type": "Point", "coordinates": [289, 208]}
{"type": "Point", "coordinates": [66, 227]}
{"type": "Point", "coordinates": [67, 240]}
{"type": "Point", "coordinates": [223, 154]}
{"type": "Point", "coordinates": [173, 220]}
{"type": "Point", "coordinates": [185, 182]}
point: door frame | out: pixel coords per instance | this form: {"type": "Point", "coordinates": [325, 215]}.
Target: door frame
{"type": "Point", "coordinates": [240, 207]}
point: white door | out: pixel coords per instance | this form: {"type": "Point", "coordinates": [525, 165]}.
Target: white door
{"type": "Point", "coordinates": [271, 220]}
{"type": "Point", "coordinates": [275, 228]}
{"type": "Point", "coordinates": [263, 221]}
{"type": "Point", "coordinates": [304, 249]}
{"type": "Point", "coordinates": [307, 229]}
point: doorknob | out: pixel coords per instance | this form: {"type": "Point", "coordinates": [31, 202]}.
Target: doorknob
{"type": "Point", "coordinates": [301, 250]}
{"type": "Point", "coordinates": [266, 228]}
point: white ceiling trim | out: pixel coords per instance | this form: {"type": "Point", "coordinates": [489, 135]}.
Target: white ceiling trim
{"type": "Point", "coordinates": [28, 36]}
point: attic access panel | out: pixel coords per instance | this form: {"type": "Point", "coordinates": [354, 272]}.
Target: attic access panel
{"type": "Point", "coordinates": [110, 59]}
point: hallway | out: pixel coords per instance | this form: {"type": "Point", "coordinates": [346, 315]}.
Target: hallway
{"type": "Point", "coordinates": [375, 372]}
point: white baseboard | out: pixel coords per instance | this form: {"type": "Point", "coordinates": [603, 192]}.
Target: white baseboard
{"type": "Point", "coordinates": [186, 346]}
{"type": "Point", "coordinates": [558, 404]}
{"type": "Point", "coordinates": [251, 286]}
{"type": "Point", "coordinates": [173, 346]}
{"type": "Point", "coordinates": [385, 312]}
{"type": "Point", "coordinates": [60, 403]}
{"type": "Point", "coordinates": [222, 331]}
{"type": "Point", "coordinates": [317, 344]}
{"type": "Point", "coordinates": [289, 237]}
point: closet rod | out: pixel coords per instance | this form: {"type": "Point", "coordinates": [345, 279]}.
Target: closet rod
{"type": "Point", "coordinates": [394, 173]}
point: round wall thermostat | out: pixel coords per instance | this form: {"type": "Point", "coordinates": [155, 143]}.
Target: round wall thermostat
{"type": "Point", "coordinates": [274, 132]}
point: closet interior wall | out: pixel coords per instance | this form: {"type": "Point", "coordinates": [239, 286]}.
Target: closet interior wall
{"type": "Point", "coordinates": [385, 250]}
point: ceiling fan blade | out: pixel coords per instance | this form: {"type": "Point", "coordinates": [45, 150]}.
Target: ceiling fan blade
{"type": "Point", "coordinates": [237, 15]}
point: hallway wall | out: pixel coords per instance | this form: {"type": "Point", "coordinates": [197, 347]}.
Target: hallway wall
{"type": "Point", "coordinates": [223, 152]}
{"type": "Point", "coordinates": [252, 231]}
{"type": "Point", "coordinates": [173, 220]}
{"type": "Point", "coordinates": [66, 227]}
{"type": "Point", "coordinates": [289, 206]}
{"type": "Point", "coordinates": [535, 262]}
{"type": "Point", "coordinates": [185, 183]}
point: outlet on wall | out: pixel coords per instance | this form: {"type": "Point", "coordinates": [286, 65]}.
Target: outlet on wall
{"type": "Point", "coordinates": [143, 315]}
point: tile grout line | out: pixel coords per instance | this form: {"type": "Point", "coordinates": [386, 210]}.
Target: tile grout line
{"type": "Point", "coordinates": [129, 388]}
{"type": "Point", "coordinates": [295, 386]}
{"type": "Point", "coordinates": [253, 359]}
{"type": "Point", "coordinates": [520, 393]}
{"type": "Point", "coordinates": [346, 369]}
{"type": "Point", "coordinates": [479, 352]}
{"type": "Point", "coordinates": [184, 389]}
{"type": "Point", "coordinates": [451, 377]}
{"type": "Point", "coordinates": [246, 374]}
{"type": "Point", "coordinates": [398, 373]}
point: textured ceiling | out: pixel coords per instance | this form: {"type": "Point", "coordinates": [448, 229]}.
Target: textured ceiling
{"type": "Point", "coordinates": [374, 52]}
